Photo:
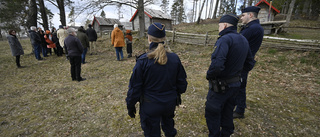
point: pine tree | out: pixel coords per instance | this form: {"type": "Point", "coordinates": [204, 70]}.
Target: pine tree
{"type": "Point", "coordinates": [103, 15]}
{"type": "Point", "coordinates": [164, 6]}
{"type": "Point", "coordinates": [177, 12]}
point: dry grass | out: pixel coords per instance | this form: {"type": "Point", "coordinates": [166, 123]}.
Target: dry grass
{"type": "Point", "coordinates": [41, 100]}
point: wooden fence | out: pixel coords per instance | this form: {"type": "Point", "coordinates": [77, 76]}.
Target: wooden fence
{"type": "Point", "coordinates": [268, 41]}
{"type": "Point", "coordinates": [194, 39]}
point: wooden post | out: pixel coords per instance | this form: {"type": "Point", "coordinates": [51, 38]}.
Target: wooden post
{"type": "Point", "coordinates": [205, 42]}
{"type": "Point", "coordinates": [173, 35]}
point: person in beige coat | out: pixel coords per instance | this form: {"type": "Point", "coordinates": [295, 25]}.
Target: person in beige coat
{"type": "Point", "coordinates": [117, 40]}
{"type": "Point", "coordinates": [62, 34]}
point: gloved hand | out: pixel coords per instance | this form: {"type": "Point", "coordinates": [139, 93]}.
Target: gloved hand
{"type": "Point", "coordinates": [132, 112]}
{"type": "Point", "coordinates": [178, 102]}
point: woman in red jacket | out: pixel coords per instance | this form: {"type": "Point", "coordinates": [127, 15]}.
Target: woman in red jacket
{"type": "Point", "coordinates": [50, 43]}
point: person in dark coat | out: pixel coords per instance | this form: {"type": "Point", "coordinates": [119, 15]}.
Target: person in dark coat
{"type": "Point", "coordinates": [230, 54]}
{"type": "Point", "coordinates": [81, 35]}
{"type": "Point", "coordinates": [75, 49]}
{"type": "Point", "coordinates": [43, 43]}
{"type": "Point", "coordinates": [15, 46]}
{"type": "Point", "coordinates": [157, 81]}
{"type": "Point", "coordinates": [92, 35]}
{"type": "Point", "coordinates": [35, 41]}
{"type": "Point", "coordinates": [253, 32]}
{"type": "Point", "coordinates": [129, 43]}
{"type": "Point", "coordinates": [55, 40]}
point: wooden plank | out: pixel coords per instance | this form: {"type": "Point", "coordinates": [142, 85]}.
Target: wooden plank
{"type": "Point", "coordinates": [295, 40]}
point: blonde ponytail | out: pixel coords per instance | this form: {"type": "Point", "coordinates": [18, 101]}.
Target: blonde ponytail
{"type": "Point", "coordinates": [159, 55]}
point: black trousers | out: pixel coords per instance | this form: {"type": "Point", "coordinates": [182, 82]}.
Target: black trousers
{"type": "Point", "coordinates": [75, 62]}
{"type": "Point", "coordinates": [18, 61]}
{"type": "Point", "coordinates": [129, 48]}
{"type": "Point", "coordinates": [59, 50]}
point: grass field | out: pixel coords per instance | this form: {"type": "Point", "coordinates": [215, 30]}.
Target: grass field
{"type": "Point", "coordinates": [283, 94]}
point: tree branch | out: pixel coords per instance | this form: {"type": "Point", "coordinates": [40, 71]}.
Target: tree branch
{"type": "Point", "coordinates": [53, 3]}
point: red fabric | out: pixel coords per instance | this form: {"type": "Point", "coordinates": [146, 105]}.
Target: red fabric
{"type": "Point", "coordinates": [50, 42]}
{"type": "Point", "coordinates": [130, 35]}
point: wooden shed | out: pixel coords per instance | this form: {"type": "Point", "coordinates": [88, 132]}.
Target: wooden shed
{"type": "Point", "coordinates": [151, 16]}
{"type": "Point", "coordinates": [104, 25]}
{"type": "Point", "coordinates": [264, 15]}
{"type": "Point", "coordinates": [267, 19]}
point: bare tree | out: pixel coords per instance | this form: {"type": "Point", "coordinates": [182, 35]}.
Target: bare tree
{"type": "Point", "coordinates": [235, 7]}
{"type": "Point", "coordinates": [193, 10]}
{"type": "Point", "coordinates": [210, 9]}
{"type": "Point", "coordinates": [94, 6]}
{"type": "Point", "coordinates": [199, 17]}
{"type": "Point", "coordinates": [60, 4]}
{"type": "Point", "coordinates": [214, 16]}
{"type": "Point", "coordinates": [164, 6]}
{"type": "Point", "coordinates": [290, 12]}
{"type": "Point", "coordinates": [44, 16]}
{"type": "Point", "coordinates": [32, 14]}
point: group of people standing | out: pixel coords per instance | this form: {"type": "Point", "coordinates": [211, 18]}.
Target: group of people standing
{"type": "Point", "coordinates": [158, 78]}
{"type": "Point", "coordinates": [75, 46]}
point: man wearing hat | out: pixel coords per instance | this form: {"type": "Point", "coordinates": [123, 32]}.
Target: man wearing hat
{"type": "Point", "coordinates": [253, 32]}
{"type": "Point", "coordinates": [157, 80]}
{"type": "Point", "coordinates": [92, 35]}
{"type": "Point", "coordinates": [230, 53]}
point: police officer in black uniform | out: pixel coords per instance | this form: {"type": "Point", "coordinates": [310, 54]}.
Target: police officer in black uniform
{"type": "Point", "coordinates": [253, 32]}
{"type": "Point", "coordinates": [230, 53]}
{"type": "Point", "coordinates": [157, 80]}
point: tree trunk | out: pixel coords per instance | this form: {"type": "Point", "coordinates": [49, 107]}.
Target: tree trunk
{"type": "Point", "coordinates": [306, 8]}
{"type": "Point", "coordinates": [221, 8]}
{"type": "Point", "coordinates": [244, 4]}
{"type": "Point", "coordinates": [141, 18]}
{"type": "Point", "coordinates": [210, 9]}
{"type": "Point", "coordinates": [235, 7]}
{"type": "Point", "coordinates": [215, 10]}
{"type": "Point", "coordinates": [62, 12]}
{"type": "Point", "coordinates": [289, 13]}
{"type": "Point", "coordinates": [32, 15]}
{"type": "Point", "coordinates": [43, 15]}
{"type": "Point", "coordinates": [195, 12]}
{"type": "Point", "coordinates": [198, 21]}
{"type": "Point", "coordinates": [205, 17]}
{"type": "Point", "coordinates": [250, 3]}
{"type": "Point", "coordinates": [194, 1]}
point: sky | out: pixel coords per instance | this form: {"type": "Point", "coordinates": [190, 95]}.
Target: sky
{"type": "Point", "coordinates": [112, 12]}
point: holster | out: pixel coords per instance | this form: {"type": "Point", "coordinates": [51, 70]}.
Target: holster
{"type": "Point", "coordinates": [220, 85]}
{"type": "Point", "coordinates": [217, 85]}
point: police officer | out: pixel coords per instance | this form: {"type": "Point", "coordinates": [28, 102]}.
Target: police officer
{"type": "Point", "coordinates": [157, 80]}
{"type": "Point", "coordinates": [253, 32]}
{"type": "Point", "coordinates": [230, 53]}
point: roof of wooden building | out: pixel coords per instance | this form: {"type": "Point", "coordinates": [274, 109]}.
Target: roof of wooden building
{"type": "Point", "coordinates": [106, 21]}
{"type": "Point", "coordinates": [152, 13]}
{"type": "Point", "coordinates": [264, 1]}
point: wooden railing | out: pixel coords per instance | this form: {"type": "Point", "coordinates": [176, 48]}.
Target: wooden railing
{"type": "Point", "coordinates": [268, 41]}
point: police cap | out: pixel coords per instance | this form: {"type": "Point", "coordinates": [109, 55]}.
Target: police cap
{"type": "Point", "coordinates": [251, 9]}
{"type": "Point", "coordinates": [157, 30]}
{"type": "Point", "coordinates": [229, 18]}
